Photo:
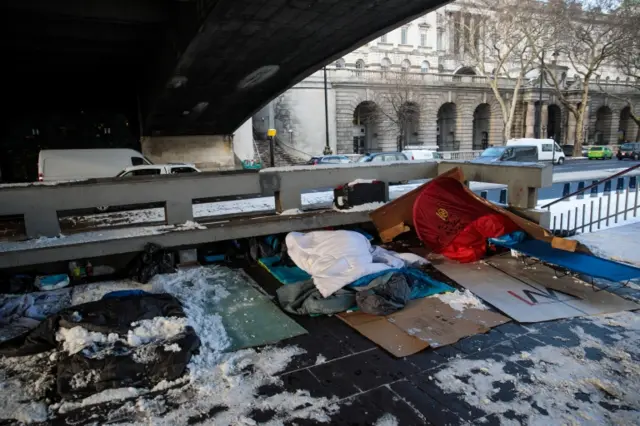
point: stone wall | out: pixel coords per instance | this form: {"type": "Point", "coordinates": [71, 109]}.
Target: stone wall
{"type": "Point", "coordinates": [206, 152]}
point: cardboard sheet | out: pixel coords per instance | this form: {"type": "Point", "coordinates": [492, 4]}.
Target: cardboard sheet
{"type": "Point", "coordinates": [531, 295]}
{"type": "Point", "coordinates": [423, 323]}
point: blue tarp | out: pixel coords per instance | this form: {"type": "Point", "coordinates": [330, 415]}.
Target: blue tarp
{"type": "Point", "coordinates": [423, 284]}
{"type": "Point", "coordinates": [583, 263]}
{"type": "Point", "coordinates": [284, 274]}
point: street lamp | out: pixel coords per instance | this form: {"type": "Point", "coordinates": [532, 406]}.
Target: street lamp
{"type": "Point", "coordinates": [327, 148]}
{"type": "Point", "coordinates": [290, 130]}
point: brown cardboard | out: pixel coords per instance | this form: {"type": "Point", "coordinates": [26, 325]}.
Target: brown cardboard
{"type": "Point", "coordinates": [435, 322]}
{"type": "Point", "coordinates": [384, 334]}
{"type": "Point", "coordinates": [563, 244]}
{"type": "Point", "coordinates": [389, 234]}
{"type": "Point", "coordinates": [422, 323]}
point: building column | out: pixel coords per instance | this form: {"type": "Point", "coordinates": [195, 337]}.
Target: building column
{"type": "Point", "coordinates": [571, 129]}
{"type": "Point", "coordinates": [544, 118]}
{"type": "Point", "coordinates": [530, 120]}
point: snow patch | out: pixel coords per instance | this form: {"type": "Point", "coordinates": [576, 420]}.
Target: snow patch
{"type": "Point", "coordinates": [461, 300]}
{"type": "Point", "coordinates": [361, 208]}
{"type": "Point", "coordinates": [154, 330]}
{"type": "Point", "coordinates": [359, 181]}
{"type": "Point", "coordinates": [172, 348]}
{"type": "Point", "coordinates": [387, 420]}
{"type": "Point", "coordinates": [77, 338]}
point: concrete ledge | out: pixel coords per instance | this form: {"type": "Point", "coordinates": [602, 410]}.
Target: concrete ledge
{"type": "Point", "coordinates": [217, 231]}
{"type": "Point", "coordinates": [522, 179]}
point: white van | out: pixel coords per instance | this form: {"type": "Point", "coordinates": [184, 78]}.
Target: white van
{"type": "Point", "coordinates": [545, 148]}
{"type": "Point", "coordinates": [421, 153]}
{"type": "Point", "coordinates": [77, 164]}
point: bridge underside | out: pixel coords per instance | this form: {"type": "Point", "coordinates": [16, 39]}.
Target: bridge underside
{"type": "Point", "coordinates": [177, 67]}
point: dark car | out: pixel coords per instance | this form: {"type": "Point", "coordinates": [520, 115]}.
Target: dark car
{"type": "Point", "coordinates": [497, 154]}
{"type": "Point", "coordinates": [329, 159]}
{"type": "Point", "coordinates": [383, 157]}
{"type": "Point", "coordinates": [630, 151]}
{"type": "Point", "coordinates": [568, 150]}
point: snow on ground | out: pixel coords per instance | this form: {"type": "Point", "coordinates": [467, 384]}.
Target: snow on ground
{"type": "Point", "coordinates": [461, 300]}
{"type": "Point", "coordinates": [565, 385]}
{"type": "Point", "coordinates": [387, 420]}
{"type": "Point", "coordinates": [24, 382]}
{"type": "Point", "coordinates": [619, 244]}
{"type": "Point", "coordinates": [217, 381]}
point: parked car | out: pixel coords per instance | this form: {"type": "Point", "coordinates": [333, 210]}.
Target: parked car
{"type": "Point", "coordinates": [496, 154]}
{"type": "Point", "coordinates": [422, 154]}
{"type": "Point", "coordinates": [382, 157]}
{"type": "Point", "coordinates": [329, 159]}
{"type": "Point", "coordinates": [76, 164]}
{"type": "Point", "coordinates": [568, 150]}
{"type": "Point", "coordinates": [600, 153]}
{"type": "Point", "coordinates": [158, 169]}
{"type": "Point", "coordinates": [629, 151]}
{"type": "Point", "coordinates": [151, 170]}
{"type": "Point", "coordinates": [545, 148]}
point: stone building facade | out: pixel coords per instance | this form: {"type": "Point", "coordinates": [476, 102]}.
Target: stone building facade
{"type": "Point", "coordinates": [449, 105]}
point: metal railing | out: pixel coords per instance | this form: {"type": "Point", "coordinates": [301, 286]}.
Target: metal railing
{"type": "Point", "coordinates": [460, 155]}
{"type": "Point", "coordinates": [595, 184]}
{"type": "Point", "coordinates": [601, 210]}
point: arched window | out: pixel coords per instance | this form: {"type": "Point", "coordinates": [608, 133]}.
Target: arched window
{"type": "Point", "coordinates": [424, 67]}
{"type": "Point", "coordinates": [385, 64]}
{"type": "Point", "coordinates": [406, 65]}
{"type": "Point", "coordinates": [340, 63]}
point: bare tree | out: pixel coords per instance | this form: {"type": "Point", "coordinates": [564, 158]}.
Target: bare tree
{"type": "Point", "coordinates": [400, 104]}
{"type": "Point", "coordinates": [588, 35]}
{"type": "Point", "coordinates": [627, 61]}
{"type": "Point", "coordinates": [493, 36]}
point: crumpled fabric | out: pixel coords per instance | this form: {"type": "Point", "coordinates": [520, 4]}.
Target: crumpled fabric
{"type": "Point", "coordinates": [384, 295]}
{"type": "Point", "coordinates": [20, 313]}
{"type": "Point", "coordinates": [305, 299]}
{"type": "Point", "coordinates": [337, 258]}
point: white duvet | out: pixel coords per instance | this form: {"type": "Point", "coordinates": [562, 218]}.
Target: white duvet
{"type": "Point", "coordinates": [337, 258]}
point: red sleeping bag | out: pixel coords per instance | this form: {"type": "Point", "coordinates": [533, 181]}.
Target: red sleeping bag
{"type": "Point", "coordinates": [450, 221]}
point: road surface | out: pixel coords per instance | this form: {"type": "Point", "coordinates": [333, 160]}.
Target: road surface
{"type": "Point", "coordinates": [583, 165]}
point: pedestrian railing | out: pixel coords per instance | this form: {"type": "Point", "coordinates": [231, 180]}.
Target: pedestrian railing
{"type": "Point", "coordinates": [460, 155]}
{"type": "Point", "coordinates": [593, 209]}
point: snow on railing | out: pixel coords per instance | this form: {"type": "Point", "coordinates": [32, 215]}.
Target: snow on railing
{"type": "Point", "coordinates": [603, 207]}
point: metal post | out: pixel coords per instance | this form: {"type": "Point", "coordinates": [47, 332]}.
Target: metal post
{"type": "Point", "coordinates": [591, 218]}
{"type": "Point", "coordinates": [271, 153]}
{"type": "Point", "coordinates": [575, 221]}
{"type": "Point", "coordinates": [626, 203]}
{"type": "Point", "coordinates": [617, 206]}
{"type": "Point", "coordinates": [608, 207]}
{"type": "Point", "coordinates": [327, 148]}
{"type": "Point", "coordinates": [599, 211]}
{"type": "Point", "coordinates": [584, 216]}
{"type": "Point", "coordinates": [540, 100]}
